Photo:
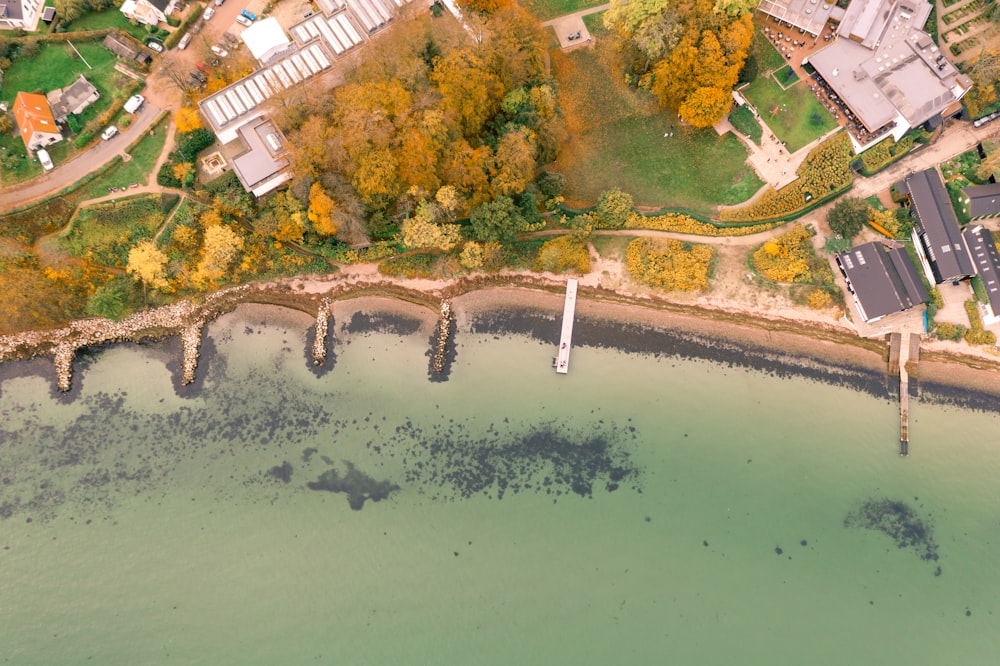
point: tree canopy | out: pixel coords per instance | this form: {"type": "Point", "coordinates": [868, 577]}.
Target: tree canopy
{"type": "Point", "coordinates": [848, 216]}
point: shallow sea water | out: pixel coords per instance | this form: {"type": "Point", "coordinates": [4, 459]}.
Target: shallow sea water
{"type": "Point", "coordinates": [644, 503]}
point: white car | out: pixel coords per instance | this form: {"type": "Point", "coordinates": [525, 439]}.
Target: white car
{"type": "Point", "coordinates": [155, 46]}
{"type": "Point", "coordinates": [134, 103]}
{"type": "Point", "coordinates": [209, 13]}
{"type": "Point", "coordinates": [185, 40]}
{"type": "Point", "coordinates": [243, 20]}
{"type": "Point", "coordinates": [219, 51]}
{"type": "Point", "coordinates": [43, 157]}
{"type": "Point", "coordinates": [109, 132]}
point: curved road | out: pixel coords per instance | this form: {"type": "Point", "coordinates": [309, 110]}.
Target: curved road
{"type": "Point", "coordinates": [67, 173]}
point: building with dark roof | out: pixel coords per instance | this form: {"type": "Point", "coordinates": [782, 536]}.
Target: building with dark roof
{"type": "Point", "coordinates": [983, 251]}
{"type": "Point", "coordinates": [936, 233]}
{"type": "Point", "coordinates": [127, 47]}
{"type": "Point", "coordinates": [74, 98]}
{"type": "Point", "coordinates": [882, 280]}
{"type": "Point", "coordinates": [983, 201]}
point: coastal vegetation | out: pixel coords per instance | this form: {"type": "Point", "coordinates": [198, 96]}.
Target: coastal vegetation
{"type": "Point", "coordinates": [791, 259]}
{"type": "Point", "coordinates": [669, 264]}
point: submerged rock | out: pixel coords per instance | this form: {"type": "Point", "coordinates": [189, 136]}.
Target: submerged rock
{"type": "Point", "coordinates": [898, 521]}
{"type": "Point", "coordinates": [358, 486]}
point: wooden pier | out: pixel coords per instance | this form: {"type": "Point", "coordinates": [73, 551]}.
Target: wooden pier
{"type": "Point", "coordinates": [903, 354]}
{"type": "Point", "coordinates": [561, 361]}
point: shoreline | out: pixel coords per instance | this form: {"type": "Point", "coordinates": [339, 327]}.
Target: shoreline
{"type": "Point", "coordinates": [518, 304]}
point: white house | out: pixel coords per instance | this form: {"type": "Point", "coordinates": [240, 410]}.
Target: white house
{"type": "Point", "coordinates": [19, 14]}
{"type": "Point", "coordinates": [149, 12]}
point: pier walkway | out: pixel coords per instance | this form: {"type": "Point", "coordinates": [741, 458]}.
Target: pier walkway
{"type": "Point", "coordinates": [561, 361]}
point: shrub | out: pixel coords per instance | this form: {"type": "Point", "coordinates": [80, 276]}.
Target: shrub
{"type": "Point", "coordinates": [848, 216]}
{"type": "Point", "coordinates": [73, 122]}
{"type": "Point", "coordinates": [669, 264]}
{"type": "Point", "coordinates": [83, 139]}
{"type": "Point", "coordinates": [976, 334]}
{"type": "Point", "coordinates": [791, 258]}
{"type": "Point", "coordinates": [613, 209]}
{"type": "Point", "coordinates": [562, 254]}
{"type": "Point", "coordinates": [948, 331]}
{"type": "Point", "coordinates": [685, 224]}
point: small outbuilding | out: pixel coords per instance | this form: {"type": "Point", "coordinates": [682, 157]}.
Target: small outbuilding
{"type": "Point", "coordinates": [266, 39]}
{"type": "Point", "coordinates": [882, 280]}
{"type": "Point", "coordinates": [983, 201]}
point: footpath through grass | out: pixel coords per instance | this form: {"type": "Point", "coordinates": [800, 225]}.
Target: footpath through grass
{"type": "Point", "coordinates": [794, 115]}
{"type": "Point", "coordinates": [617, 140]}
{"type": "Point", "coordinates": [548, 9]}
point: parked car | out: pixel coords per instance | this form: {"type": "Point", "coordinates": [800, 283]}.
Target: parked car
{"type": "Point", "coordinates": [219, 51]}
{"type": "Point", "coordinates": [109, 132]}
{"type": "Point", "coordinates": [202, 66]}
{"type": "Point", "coordinates": [243, 20]}
{"type": "Point", "coordinates": [43, 157]}
{"type": "Point", "coordinates": [230, 40]}
{"type": "Point", "coordinates": [155, 45]}
{"type": "Point", "coordinates": [195, 74]}
{"type": "Point", "coordinates": [218, 3]}
{"type": "Point", "coordinates": [185, 40]}
{"type": "Point", "coordinates": [134, 103]}
{"type": "Point", "coordinates": [209, 13]}
{"type": "Point", "coordinates": [248, 14]}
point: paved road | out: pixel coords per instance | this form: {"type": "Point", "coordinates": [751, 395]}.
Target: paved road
{"type": "Point", "coordinates": [84, 163]}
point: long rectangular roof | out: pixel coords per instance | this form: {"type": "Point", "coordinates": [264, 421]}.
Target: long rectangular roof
{"type": "Point", "coordinates": [809, 15]}
{"type": "Point", "coordinates": [937, 226]}
{"type": "Point", "coordinates": [883, 280]}
{"type": "Point", "coordinates": [984, 252]}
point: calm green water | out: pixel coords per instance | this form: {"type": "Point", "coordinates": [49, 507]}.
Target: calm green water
{"type": "Point", "coordinates": [146, 528]}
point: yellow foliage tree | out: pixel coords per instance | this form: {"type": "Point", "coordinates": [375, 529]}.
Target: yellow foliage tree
{"type": "Point", "coordinates": [187, 119]}
{"type": "Point", "coordinates": [471, 257]}
{"type": "Point", "coordinates": [220, 248]}
{"type": "Point", "coordinates": [149, 265]}
{"type": "Point", "coordinates": [884, 219]}
{"type": "Point", "coordinates": [321, 208]}
{"type": "Point", "coordinates": [786, 258]}
{"type": "Point", "coordinates": [565, 253]}
{"type": "Point", "coordinates": [421, 231]}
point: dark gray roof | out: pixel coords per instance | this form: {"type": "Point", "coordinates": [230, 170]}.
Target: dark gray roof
{"type": "Point", "coordinates": [11, 10]}
{"type": "Point", "coordinates": [984, 200]}
{"type": "Point", "coordinates": [984, 253]}
{"type": "Point", "coordinates": [883, 280]}
{"type": "Point", "coordinates": [160, 4]}
{"type": "Point", "coordinates": [49, 14]}
{"type": "Point", "coordinates": [937, 226]}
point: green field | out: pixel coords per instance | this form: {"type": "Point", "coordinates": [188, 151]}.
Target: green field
{"type": "Point", "coordinates": [595, 24]}
{"type": "Point", "coordinates": [794, 115]}
{"type": "Point", "coordinates": [742, 119]}
{"type": "Point", "coordinates": [109, 18]}
{"type": "Point", "coordinates": [762, 50]}
{"type": "Point", "coordinates": [104, 233]}
{"type": "Point", "coordinates": [786, 76]}
{"type": "Point", "coordinates": [617, 140]}
{"type": "Point", "coordinates": [547, 9]}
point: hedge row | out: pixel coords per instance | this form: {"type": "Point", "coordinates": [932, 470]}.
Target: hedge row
{"type": "Point", "coordinates": [171, 41]}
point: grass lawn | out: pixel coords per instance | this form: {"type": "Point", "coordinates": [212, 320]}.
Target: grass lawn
{"type": "Point", "coordinates": [136, 170]}
{"type": "Point", "coordinates": [105, 233]}
{"type": "Point", "coordinates": [109, 18]}
{"type": "Point", "coordinates": [762, 50]}
{"type": "Point", "coordinates": [595, 24]}
{"type": "Point", "coordinates": [743, 120]}
{"type": "Point", "coordinates": [547, 9]}
{"type": "Point", "coordinates": [617, 140]}
{"type": "Point", "coordinates": [794, 115]}
{"type": "Point", "coordinates": [786, 76]}
{"type": "Point", "coordinates": [612, 247]}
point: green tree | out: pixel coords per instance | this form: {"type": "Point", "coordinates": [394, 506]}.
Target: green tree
{"type": "Point", "coordinates": [848, 216]}
{"type": "Point", "coordinates": [613, 209]}
{"type": "Point", "coordinates": [497, 220]}
{"type": "Point", "coordinates": [111, 300]}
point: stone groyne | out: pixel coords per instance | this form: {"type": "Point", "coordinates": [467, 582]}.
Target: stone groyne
{"type": "Point", "coordinates": [443, 348]}
{"type": "Point", "coordinates": [319, 349]}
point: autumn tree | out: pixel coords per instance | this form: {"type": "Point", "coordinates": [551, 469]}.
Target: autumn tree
{"type": "Point", "coordinates": [148, 264]}
{"type": "Point", "coordinates": [187, 119]}
{"type": "Point", "coordinates": [321, 208]}
{"type": "Point", "coordinates": [514, 162]}
{"type": "Point", "coordinates": [376, 179]}
{"type": "Point", "coordinates": [468, 88]}
{"type": "Point", "coordinates": [219, 249]}
{"type": "Point", "coordinates": [705, 106]}
{"type": "Point", "coordinates": [422, 230]}
{"type": "Point", "coordinates": [848, 216]}
{"type": "Point", "coordinates": [612, 210]}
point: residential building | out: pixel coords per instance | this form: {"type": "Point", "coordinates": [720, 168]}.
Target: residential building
{"type": "Point", "coordinates": [126, 47]}
{"type": "Point", "coordinates": [936, 234]}
{"type": "Point", "coordinates": [983, 251]}
{"type": "Point", "coordinates": [149, 12]}
{"type": "Point", "coordinates": [35, 122]}
{"type": "Point", "coordinates": [982, 201]}
{"type": "Point", "coordinates": [23, 14]}
{"type": "Point", "coordinates": [74, 98]}
{"type": "Point", "coordinates": [881, 279]}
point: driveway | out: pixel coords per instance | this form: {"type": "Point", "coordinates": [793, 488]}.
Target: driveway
{"type": "Point", "coordinates": [84, 163]}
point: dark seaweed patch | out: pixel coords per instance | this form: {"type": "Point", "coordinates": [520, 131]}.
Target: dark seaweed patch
{"type": "Point", "coordinates": [382, 322]}
{"type": "Point", "coordinates": [898, 521]}
{"type": "Point", "coordinates": [358, 486]}
{"type": "Point", "coordinates": [282, 472]}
